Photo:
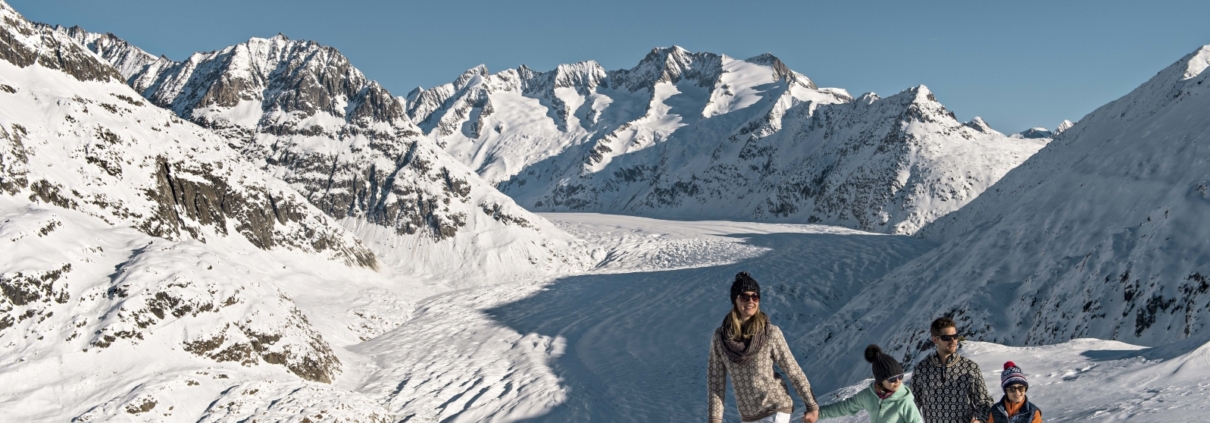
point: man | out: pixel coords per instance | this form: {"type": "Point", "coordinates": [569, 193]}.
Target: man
{"type": "Point", "coordinates": [949, 388]}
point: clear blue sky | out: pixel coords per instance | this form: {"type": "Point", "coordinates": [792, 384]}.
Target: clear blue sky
{"type": "Point", "coordinates": [1017, 64]}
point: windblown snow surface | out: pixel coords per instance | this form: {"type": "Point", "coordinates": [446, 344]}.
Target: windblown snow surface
{"type": "Point", "coordinates": [624, 342]}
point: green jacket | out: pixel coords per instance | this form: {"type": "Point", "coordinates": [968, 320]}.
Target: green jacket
{"type": "Point", "coordinates": [900, 407]}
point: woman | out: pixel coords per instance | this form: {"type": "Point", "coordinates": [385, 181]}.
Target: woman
{"type": "Point", "coordinates": [887, 400]}
{"type": "Point", "coordinates": [746, 346]}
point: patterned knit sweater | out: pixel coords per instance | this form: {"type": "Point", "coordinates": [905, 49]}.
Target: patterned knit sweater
{"type": "Point", "coordinates": [950, 393]}
{"type": "Point", "coordinates": [759, 391]}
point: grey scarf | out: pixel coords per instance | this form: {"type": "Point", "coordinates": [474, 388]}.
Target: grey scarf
{"type": "Point", "coordinates": [740, 351]}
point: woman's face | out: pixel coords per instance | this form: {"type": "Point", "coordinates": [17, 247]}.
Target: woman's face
{"type": "Point", "coordinates": [889, 386]}
{"type": "Point", "coordinates": [747, 303]}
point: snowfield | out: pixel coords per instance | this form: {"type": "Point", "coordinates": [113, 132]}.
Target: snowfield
{"type": "Point", "coordinates": [624, 342]}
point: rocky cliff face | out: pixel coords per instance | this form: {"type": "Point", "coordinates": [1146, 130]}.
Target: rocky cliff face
{"type": "Point", "coordinates": [125, 58]}
{"type": "Point", "coordinates": [701, 135]}
{"type": "Point", "coordinates": [304, 113]}
{"type": "Point", "coordinates": [1101, 234]}
{"type": "Point", "coordinates": [76, 137]}
{"type": "Point", "coordinates": [84, 164]}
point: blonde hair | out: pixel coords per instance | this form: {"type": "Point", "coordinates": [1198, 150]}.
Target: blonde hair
{"type": "Point", "coordinates": [741, 330]}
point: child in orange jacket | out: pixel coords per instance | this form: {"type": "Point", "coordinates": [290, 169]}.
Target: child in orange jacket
{"type": "Point", "coordinates": [1014, 407]}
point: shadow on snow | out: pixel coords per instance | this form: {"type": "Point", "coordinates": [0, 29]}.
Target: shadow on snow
{"type": "Point", "coordinates": [637, 343]}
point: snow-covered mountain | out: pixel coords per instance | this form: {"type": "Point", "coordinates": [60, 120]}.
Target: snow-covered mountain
{"type": "Point", "coordinates": [148, 269]}
{"type": "Point", "coordinates": [77, 138]}
{"type": "Point", "coordinates": [702, 135]}
{"type": "Point", "coordinates": [1040, 132]}
{"type": "Point", "coordinates": [308, 116]}
{"type": "Point", "coordinates": [1104, 233]}
{"type": "Point", "coordinates": [127, 59]}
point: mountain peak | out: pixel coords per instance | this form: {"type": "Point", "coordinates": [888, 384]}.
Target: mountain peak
{"type": "Point", "coordinates": [27, 44]}
{"type": "Point", "coordinates": [978, 124]}
{"type": "Point", "coordinates": [669, 64]}
{"type": "Point", "coordinates": [1036, 133]}
{"type": "Point", "coordinates": [587, 75]}
{"type": "Point", "coordinates": [414, 93]}
{"type": "Point", "coordinates": [674, 49]}
{"type": "Point", "coordinates": [1197, 63]}
{"type": "Point", "coordinates": [1063, 126]}
{"type": "Point", "coordinates": [469, 75]}
{"type": "Point", "coordinates": [780, 70]}
{"type": "Point", "coordinates": [922, 93]}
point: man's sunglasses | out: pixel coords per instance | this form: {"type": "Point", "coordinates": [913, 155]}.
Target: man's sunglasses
{"type": "Point", "coordinates": [895, 378]}
{"type": "Point", "coordinates": [1016, 388]}
{"type": "Point", "coordinates": [747, 297]}
{"type": "Point", "coordinates": [948, 338]}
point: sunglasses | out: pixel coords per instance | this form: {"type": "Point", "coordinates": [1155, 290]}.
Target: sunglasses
{"type": "Point", "coordinates": [747, 297]}
{"type": "Point", "coordinates": [948, 338]}
{"type": "Point", "coordinates": [894, 379]}
{"type": "Point", "coordinates": [1016, 388]}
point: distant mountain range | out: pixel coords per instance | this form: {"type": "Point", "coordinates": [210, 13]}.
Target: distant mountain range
{"type": "Point", "coordinates": [703, 135]}
{"type": "Point", "coordinates": [680, 135]}
{"type": "Point", "coordinates": [306, 115]}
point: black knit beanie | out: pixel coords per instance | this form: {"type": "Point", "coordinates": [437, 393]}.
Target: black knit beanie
{"type": "Point", "coordinates": [743, 283]}
{"type": "Point", "coordinates": [884, 365]}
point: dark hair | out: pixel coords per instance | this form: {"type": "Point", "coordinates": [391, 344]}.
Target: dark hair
{"type": "Point", "coordinates": [940, 324]}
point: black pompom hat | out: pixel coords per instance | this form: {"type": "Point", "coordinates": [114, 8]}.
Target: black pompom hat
{"type": "Point", "coordinates": [743, 283]}
{"type": "Point", "coordinates": [884, 365]}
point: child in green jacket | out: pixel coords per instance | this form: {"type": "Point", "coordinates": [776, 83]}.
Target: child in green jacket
{"type": "Point", "coordinates": [887, 400]}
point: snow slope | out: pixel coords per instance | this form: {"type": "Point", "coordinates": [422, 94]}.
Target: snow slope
{"type": "Point", "coordinates": [302, 112]}
{"type": "Point", "coordinates": [1093, 380]}
{"type": "Point", "coordinates": [1104, 233]}
{"type": "Point", "coordinates": [140, 278]}
{"type": "Point", "coordinates": [702, 135]}
{"type": "Point", "coordinates": [104, 323]}
{"type": "Point", "coordinates": [626, 342]}
{"type": "Point", "coordinates": [127, 59]}
{"type": "Point", "coordinates": [611, 346]}
{"type": "Point", "coordinates": [76, 137]}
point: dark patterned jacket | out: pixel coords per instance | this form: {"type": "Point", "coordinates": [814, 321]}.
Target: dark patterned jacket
{"type": "Point", "coordinates": [950, 393]}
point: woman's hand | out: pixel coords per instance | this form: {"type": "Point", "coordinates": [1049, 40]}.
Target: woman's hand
{"type": "Point", "coordinates": [811, 417]}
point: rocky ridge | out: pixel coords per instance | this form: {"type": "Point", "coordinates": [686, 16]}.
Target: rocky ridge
{"type": "Point", "coordinates": [142, 251]}
{"type": "Point", "coordinates": [119, 158]}
{"type": "Point", "coordinates": [702, 135]}
{"type": "Point", "coordinates": [305, 114]}
{"type": "Point", "coordinates": [76, 139]}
